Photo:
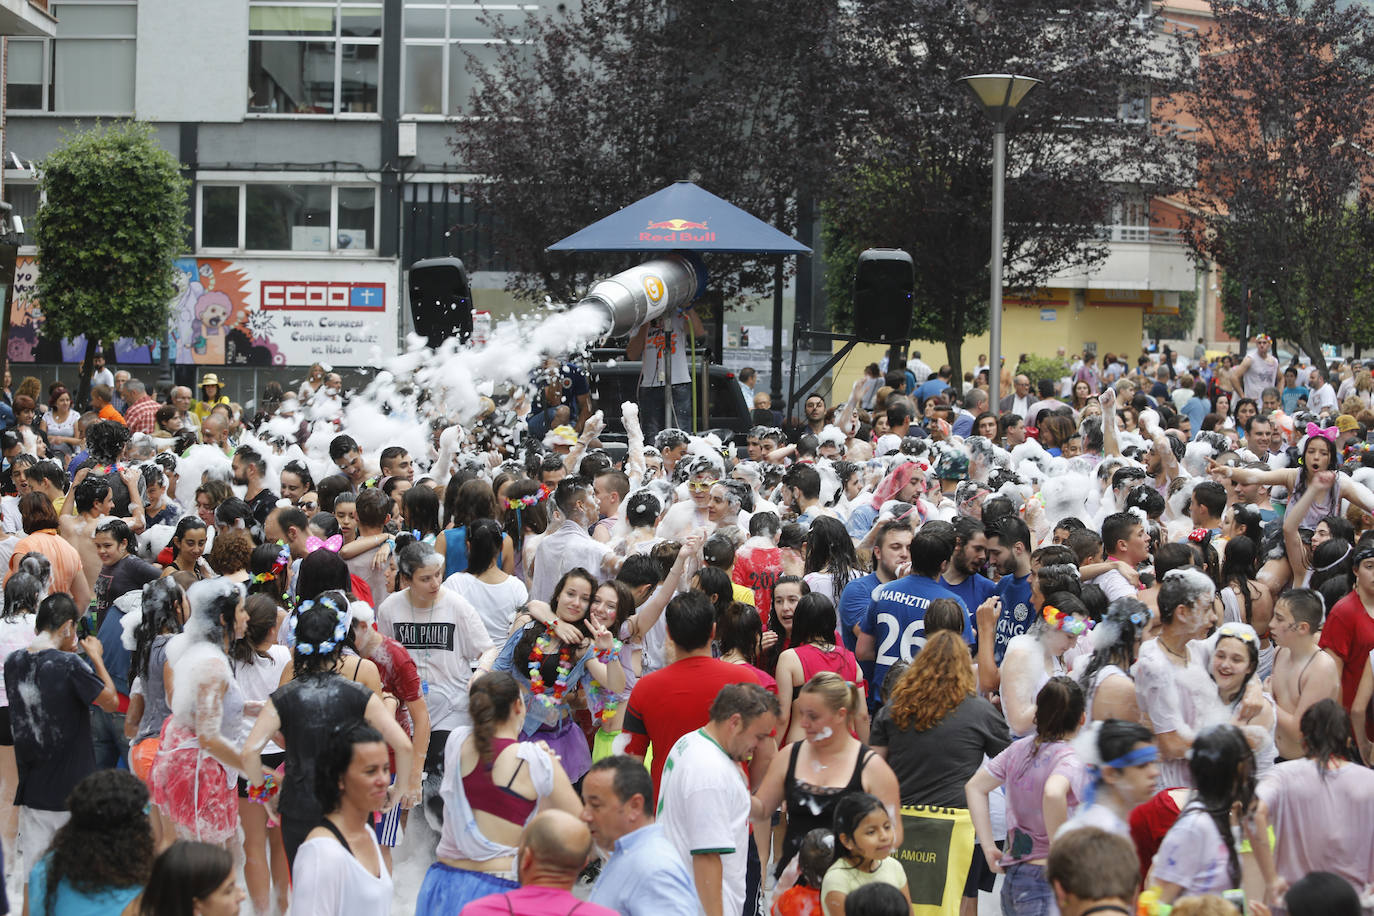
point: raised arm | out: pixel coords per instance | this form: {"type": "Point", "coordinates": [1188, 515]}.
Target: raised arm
{"type": "Point", "coordinates": [1110, 446]}
{"type": "Point", "coordinates": [644, 619]}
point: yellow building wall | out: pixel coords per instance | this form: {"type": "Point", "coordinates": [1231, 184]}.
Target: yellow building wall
{"type": "Point", "coordinates": [1109, 321]}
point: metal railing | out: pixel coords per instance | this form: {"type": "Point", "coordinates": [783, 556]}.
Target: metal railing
{"type": "Point", "coordinates": [1140, 234]}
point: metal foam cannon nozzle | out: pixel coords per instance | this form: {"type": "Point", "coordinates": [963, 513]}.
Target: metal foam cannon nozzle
{"type": "Point", "coordinates": [648, 291]}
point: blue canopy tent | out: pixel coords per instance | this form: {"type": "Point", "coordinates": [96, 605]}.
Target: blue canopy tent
{"type": "Point", "coordinates": [686, 217]}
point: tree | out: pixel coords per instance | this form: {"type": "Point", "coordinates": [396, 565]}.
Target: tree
{"type": "Point", "coordinates": [915, 161]}
{"type": "Point", "coordinates": [112, 222]}
{"type": "Point", "coordinates": [1284, 102]}
{"type": "Point", "coordinates": [588, 110]}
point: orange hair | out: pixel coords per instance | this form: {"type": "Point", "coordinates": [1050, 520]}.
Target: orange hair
{"type": "Point", "coordinates": [939, 679]}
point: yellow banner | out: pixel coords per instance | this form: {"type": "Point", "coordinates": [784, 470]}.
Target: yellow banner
{"type": "Point", "coordinates": [937, 847]}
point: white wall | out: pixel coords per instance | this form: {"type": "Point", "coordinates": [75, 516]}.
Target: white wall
{"type": "Point", "coordinates": [192, 60]}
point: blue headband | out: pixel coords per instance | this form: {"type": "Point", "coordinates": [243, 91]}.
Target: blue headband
{"type": "Point", "coordinates": [1138, 757]}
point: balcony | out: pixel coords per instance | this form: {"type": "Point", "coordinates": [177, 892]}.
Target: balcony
{"type": "Point", "coordinates": [29, 18]}
{"type": "Point", "coordinates": [1139, 258]}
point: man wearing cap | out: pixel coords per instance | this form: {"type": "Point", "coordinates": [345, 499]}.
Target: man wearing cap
{"type": "Point", "coordinates": [1258, 371]}
{"type": "Point", "coordinates": [1348, 430]}
{"type": "Point", "coordinates": [209, 395]}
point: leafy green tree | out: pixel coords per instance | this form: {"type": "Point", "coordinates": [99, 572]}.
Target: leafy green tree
{"type": "Point", "coordinates": [1284, 101]}
{"type": "Point", "coordinates": [1174, 327]}
{"type": "Point", "coordinates": [112, 223]}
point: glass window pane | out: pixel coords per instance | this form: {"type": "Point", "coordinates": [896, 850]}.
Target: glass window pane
{"type": "Point", "coordinates": [219, 217]}
{"type": "Point", "coordinates": [95, 20]}
{"type": "Point", "coordinates": [424, 23]}
{"type": "Point", "coordinates": [286, 217]}
{"type": "Point", "coordinates": [358, 77]}
{"type": "Point", "coordinates": [361, 22]}
{"type": "Point", "coordinates": [461, 80]}
{"type": "Point", "coordinates": [25, 91]}
{"type": "Point", "coordinates": [291, 77]}
{"type": "Point", "coordinates": [424, 80]}
{"type": "Point", "coordinates": [357, 210]}
{"type": "Point", "coordinates": [465, 24]}
{"type": "Point", "coordinates": [310, 21]}
{"type": "Point", "coordinates": [94, 77]}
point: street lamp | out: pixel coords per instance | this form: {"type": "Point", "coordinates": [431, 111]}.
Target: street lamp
{"type": "Point", "coordinates": [998, 94]}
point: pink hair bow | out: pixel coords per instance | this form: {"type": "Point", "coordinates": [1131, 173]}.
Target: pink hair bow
{"type": "Point", "coordinates": [1326, 432]}
{"type": "Point", "coordinates": [332, 545]}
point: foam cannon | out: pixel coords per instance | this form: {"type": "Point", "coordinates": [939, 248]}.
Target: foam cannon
{"type": "Point", "coordinates": [646, 292]}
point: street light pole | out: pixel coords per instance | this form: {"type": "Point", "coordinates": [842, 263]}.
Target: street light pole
{"type": "Point", "coordinates": [998, 94]}
{"type": "Point", "coordinates": [999, 176]}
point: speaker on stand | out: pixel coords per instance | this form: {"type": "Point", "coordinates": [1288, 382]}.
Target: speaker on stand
{"type": "Point", "coordinates": [440, 300]}
{"type": "Point", "coordinates": [884, 286]}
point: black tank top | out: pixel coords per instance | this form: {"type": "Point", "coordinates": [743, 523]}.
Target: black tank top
{"type": "Point", "coordinates": [310, 709]}
{"type": "Point", "coordinates": [811, 806]}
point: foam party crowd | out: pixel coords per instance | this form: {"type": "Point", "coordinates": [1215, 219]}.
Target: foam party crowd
{"type": "Point", "coordinates": [444, 645]}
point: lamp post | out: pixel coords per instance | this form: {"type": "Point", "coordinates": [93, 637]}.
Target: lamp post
{"type": "Point", "coordinates": [997, 94]}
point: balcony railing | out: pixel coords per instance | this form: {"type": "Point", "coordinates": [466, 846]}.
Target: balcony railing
{"type": "Point", "coordinates": [1140, 234]}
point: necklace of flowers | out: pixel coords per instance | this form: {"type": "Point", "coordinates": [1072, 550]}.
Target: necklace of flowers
{"type": "Point", "coordinates": [542, 646]}
{"type": "Point", "coordinates": [609, 701]}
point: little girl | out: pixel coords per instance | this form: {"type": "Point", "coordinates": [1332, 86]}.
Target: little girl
{"type": "Point", "coordinates": [804, 898]}
{"type": "Point", "coordinates": [863, 851]}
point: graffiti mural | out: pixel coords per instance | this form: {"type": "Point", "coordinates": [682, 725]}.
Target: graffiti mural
{"type": "Point", "coordinates": [244, 312]}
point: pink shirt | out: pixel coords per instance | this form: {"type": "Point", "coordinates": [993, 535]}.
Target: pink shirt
{"type": "Point", "coordinates": [1321, 823]}
{"type": "Point", "coordinates": [534, 901]}
{"type": "Point", "coordinates": [1024, 770]}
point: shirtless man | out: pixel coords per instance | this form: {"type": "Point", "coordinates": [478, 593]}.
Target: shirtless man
{"type": "Point", "coordinates": [1303, 673]}
{"type": "Point", "coordinates": [94, 499]}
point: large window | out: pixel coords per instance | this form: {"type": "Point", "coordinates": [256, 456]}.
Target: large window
{"type": "Point", "coordinates": [443, 42]}
{"type": "Point", "coordinates": [272, 216]}
{"type": "Point", "coordinates": [314, 58]}
{"type": "Point", "coordinates": [87, 69]}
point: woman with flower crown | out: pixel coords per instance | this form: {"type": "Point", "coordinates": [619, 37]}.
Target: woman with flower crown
{"type": "Point", "coordinates": [306, 710]}
{"type": "Point", "coordinates": [558, 653]}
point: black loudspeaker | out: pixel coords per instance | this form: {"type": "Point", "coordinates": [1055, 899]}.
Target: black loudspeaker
{"type": "Point", "coordinates": [440, 300]}
{"type": "Point", "coordinates": [883, 287]}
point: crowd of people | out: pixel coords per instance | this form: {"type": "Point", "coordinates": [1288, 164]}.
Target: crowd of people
{"type": "Point", "coordinates": [1106, 642]}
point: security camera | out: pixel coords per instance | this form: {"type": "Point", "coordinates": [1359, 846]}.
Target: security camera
{"type": "Point", "coordinates": [18, 225]}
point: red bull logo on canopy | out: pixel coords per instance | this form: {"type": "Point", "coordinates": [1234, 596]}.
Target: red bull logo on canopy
{"type": "Point", "coordinates": [677, 230]}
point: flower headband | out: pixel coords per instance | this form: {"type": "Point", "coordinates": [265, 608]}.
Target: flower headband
{"type": "Point", "coordinates": [533, 499]}
{"type": "Point", "coordinates": [1065, 623]}
{"type": "Point", "coordinates": [259, 578]}
{"type": "Point", "coordinates": [326, 646]}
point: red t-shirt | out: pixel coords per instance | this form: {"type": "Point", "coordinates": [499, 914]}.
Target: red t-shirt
{"type": "Point", "coordinates": [1349, 633]}
{"type": "Point", "coordinates": [1149, 822]}
{"type": "Point", "coordinates": [758, 568]}
{"type": "Point", "coordinates": [672, 701]}
{"type": "Point", "coordinates": [399, 678]}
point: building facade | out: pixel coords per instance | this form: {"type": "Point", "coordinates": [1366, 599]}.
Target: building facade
{"type": "Point", "coordinates": [314, 133]}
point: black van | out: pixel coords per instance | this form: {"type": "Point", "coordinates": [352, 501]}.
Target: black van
{"type": "Point", "coordinates": [613, 383]}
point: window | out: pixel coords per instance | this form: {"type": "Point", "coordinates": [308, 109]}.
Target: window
{"type": "Point", "coordinates": [443, 42]}
{"type": "Point", "coordinates": [87, 69]}
{"type": "Point", "coordinates": [314, 58]}
{"type": "Point", "coordinates": [442, 219]}
{"type": "Point", "coordinates": [278, 216]}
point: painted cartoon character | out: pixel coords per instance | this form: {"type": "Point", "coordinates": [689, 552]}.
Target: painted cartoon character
{"type": "Point", "coordinates": [213, 311]}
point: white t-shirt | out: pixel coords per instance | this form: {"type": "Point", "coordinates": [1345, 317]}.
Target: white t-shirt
{"type": "Point", "coordinates": [257, 682]}
{"type": "Point", "coordinates": [653, 367]}
{"type": "Point", "coordinates": [446, 641]}
{"type": "Point", "coordinates": [703, 807]}
{"type": "Point", "coordinates": [328, 881]}
{"type": "Point", "coordinates": [1175, 699]}
{"type": "Point", "coordinates": [495, 604]}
